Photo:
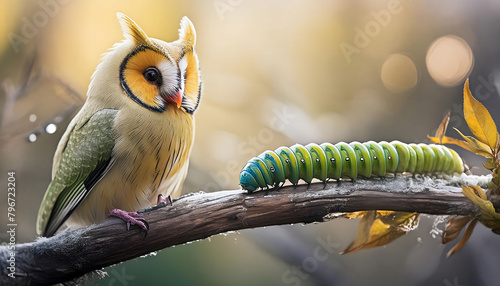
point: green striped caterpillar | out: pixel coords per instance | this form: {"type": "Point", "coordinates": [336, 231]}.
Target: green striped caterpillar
{"type": "Point", "coordinates": [346, 160]}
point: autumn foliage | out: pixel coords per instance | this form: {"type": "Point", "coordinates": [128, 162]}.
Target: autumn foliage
{"type": "Point", "coordinates": [378, 228]}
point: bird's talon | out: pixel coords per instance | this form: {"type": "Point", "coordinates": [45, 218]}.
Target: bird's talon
{"type": "Point", "coordinates": [131, 218]}
{"type": "Point", "coordinates": [167, 200]}
{"type": "Point", "coordinates": [146, 224]}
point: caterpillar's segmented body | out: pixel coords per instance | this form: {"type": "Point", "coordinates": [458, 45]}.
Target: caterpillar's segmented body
{"type": "Point", "coordinates": [346, 160]}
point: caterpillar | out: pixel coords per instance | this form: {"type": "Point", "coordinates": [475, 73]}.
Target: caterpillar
{"type": "Point", "coordinates": [346, 160]}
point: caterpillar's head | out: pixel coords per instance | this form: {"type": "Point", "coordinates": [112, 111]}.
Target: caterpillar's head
{"type": "Point", "coordinates": [247, 180]}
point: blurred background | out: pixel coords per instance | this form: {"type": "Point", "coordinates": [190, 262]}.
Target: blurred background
{"type": "Point", "coordinates": [275, 73]}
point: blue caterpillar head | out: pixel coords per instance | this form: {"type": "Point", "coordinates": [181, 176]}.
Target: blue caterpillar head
{"type": "Point", "coordinates": [247, 180]}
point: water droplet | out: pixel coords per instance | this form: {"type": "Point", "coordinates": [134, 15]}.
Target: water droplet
{"type": "Point", "coordinates": [317, 159]}
{"type": "Point", "coordinates": [32, 117]}
{"type": "Point", "coordinates": [272, 169]}
{"type": "Point", "coordinates": [51, 128]}
{"type": "Point", "coordinates": [347, 159]}
{"type": "Point", "coordinates": [302, 160]}
{"type": "Point", "coordinates": [32, 137]}
{"type": "Point", "coordinates": [389, 157]}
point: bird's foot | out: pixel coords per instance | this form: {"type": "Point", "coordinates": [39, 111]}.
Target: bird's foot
{"type": "Point", "coordinates": [130, 218]}
{"type": "Point", "coordinates": [160, 203]}
{"type": "Point", "coordinates": [161, 199]}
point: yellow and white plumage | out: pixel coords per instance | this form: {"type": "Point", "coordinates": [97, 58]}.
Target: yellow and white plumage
{"type": "Point", "coordinates": [132, 138]}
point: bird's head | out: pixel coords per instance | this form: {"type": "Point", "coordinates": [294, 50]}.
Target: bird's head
{"type": "Point", "coordinates": [154, 74]}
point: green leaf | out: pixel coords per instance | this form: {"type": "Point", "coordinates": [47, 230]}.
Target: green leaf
{"type": "Point", "coordinates": [489, 217]}
{"type": "Point", "coordinates": [490, 164]}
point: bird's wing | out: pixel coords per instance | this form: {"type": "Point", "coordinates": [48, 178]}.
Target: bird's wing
{"type": "Point", "coordinates": [85, 160]}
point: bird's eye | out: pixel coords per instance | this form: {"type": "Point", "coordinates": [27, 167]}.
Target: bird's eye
{"type": "Point", "coordinates": [153, 75]}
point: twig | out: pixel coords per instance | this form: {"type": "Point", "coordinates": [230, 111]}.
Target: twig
{"type": "Point", "coordinates": [77, 251]}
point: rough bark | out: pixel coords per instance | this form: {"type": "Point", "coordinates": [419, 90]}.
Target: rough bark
{"type": "Point", "coordinates": [74, 252]}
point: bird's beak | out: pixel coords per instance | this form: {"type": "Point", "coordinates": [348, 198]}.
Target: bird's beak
{"type": "Point", "coordinates": [176, 98]}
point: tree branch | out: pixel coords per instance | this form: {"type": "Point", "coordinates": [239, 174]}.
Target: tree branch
{"type": "Point", "coordinates": [77, 251]}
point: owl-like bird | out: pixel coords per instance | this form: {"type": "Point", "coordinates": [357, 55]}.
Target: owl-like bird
{"type": "Point", "coordinates": [132, 138]}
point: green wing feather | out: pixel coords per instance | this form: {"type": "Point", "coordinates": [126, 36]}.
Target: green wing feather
{"type": "Point", "coordinates": [85, 159]}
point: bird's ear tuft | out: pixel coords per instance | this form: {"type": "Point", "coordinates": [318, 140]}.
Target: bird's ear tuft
{"type": "Point", "coordinates": [131, 30]}
{"type": "Point", "coordinates": [187, 33]}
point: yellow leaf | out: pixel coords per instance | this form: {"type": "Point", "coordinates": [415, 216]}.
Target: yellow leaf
{"type": "Point", "coordinates": [477, 146]}
{"type": "Point", "coordinates": [359, 214]}
{"type": "Point", "coordinates": [363, 232]}
{"type": "Point", "coordinates": [475, 196]}
{"type": "Point", "coordinates": [381, 227]}
{"type": "Point", "coordinates": [450, 140]}
{"type": "Point", "coordinates": [479, 192]}
{"type": "Point", "coordinates": [498, 144]}
{"type": "Point", "coordinates": [495, 182]}
{"type": "Point", "coordinates": [453, 228]}
{"type": "Point", "coordinates": [464, 239]}
{"type": "Point", "coordinates": [386, 214]}
{"type": "Point", "coordinates": [479, 119]}
{"type": "Point", "coordinates": [441, 131]}
{"type": "Point", "coordinates": [435, 139]}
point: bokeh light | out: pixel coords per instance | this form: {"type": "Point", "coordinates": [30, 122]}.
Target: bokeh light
{"type": "Point", "coordinates": [449, 60]}
{"type": "Point", "coordinates": [32, 117]}
{"type": "Point", "coordinates": [51, 128]}
{"type": "Point", "coordinates": [399, 73]}
{"type": "Point", "coordinates": [32, 137]}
